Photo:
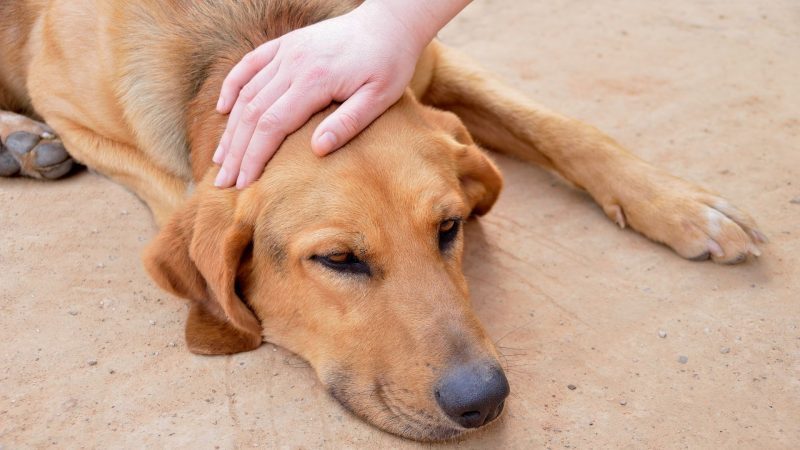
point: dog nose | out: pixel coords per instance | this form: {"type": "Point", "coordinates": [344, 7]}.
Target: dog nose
{"type": "Point", "coordinates": [473, 394]}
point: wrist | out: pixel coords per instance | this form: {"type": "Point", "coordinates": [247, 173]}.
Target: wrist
{"type": "Point", "coordinates": [416, 22]}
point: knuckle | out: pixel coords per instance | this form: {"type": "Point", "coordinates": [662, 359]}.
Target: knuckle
{"type": "Point", "coordinates": [349, 122]}
{"type": "Point", "coordinates": [248, 92]}
{"type": "Point", "coordinates": [269, 123]}
{"type": "Point", "coordinates": [251, 113]}
{"type": "Point", "coordinates": [250, 60]}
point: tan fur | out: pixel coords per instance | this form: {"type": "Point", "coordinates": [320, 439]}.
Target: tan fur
{"type": "Point", "coordinates": [131, 86]}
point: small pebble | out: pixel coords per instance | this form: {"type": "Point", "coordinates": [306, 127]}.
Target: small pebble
{"type": "Point", "coordinates": [124, 212]}
{"type": "Point", "coordinates": [152, 322]}
{"type": "Point", "coordinates": [572, 387]}
{"type": "Point", "coordinates": [112, 371]}
{"type": "Point", "coordinates": [795, 201]}
{"type": "Point", "coordinates": [171, 344]}
{"type": "Point", "coordinates": [92, 362]}
{"type": "Point", "coordinates": [72, 312]}
{"type": "Point", "coordinates": [683, 359]}
{"type": "Point", "coordinates": [662, 333]}
{"type": "Point", "coordinates": [100, 265]}
{"type": "Point", "coordinates": [623, 402]}
{"type": "Point", "coordinates": [725, 350]}
{"type": "Point", "coordinates": [47, 135]}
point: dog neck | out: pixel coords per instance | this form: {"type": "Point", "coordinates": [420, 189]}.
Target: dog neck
{"type": "Point", "coordinates": [204, 125]}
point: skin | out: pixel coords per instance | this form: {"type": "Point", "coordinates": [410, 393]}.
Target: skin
{"type": "Point", "coordinates": [274, 89]}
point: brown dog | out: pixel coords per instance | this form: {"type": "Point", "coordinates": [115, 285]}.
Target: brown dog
{"type": "Point", "coordinates": [352, 261]}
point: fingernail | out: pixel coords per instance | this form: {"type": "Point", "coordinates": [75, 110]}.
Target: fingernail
{"type": "Point", "coordinates": [241, 182]}
{"type": "Point", "coordinates": [217, 155]}
{"type": "Point", "coordinates": [326, 143]}
{"type": "Point", "coordinates": [221, 179]}
{"type": "Point", "coordinates": [221, 104]}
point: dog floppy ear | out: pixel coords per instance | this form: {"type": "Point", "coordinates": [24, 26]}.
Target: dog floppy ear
{"type": "Point", "coordinates": [196, 256]}
{"type": "Point", "coordinates": [481, 181]}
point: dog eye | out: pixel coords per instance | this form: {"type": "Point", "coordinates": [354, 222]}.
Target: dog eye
{"type": "Point", "coordinates": [448, 232]}
{"type": "Point", "coordinates": [344, 263]}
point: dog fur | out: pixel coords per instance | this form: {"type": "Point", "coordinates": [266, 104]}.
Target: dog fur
{"type": "Point", "coordinates": [132, 96]}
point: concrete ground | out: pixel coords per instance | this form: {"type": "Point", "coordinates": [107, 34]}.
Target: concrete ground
{"type": "Point", "coordinates": [92, 352]}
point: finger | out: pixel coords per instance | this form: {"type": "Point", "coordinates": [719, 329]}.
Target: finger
{"type": "Point", "coordinates": [348, 120]}
{"type": "Point", "coordinates": [252, 89]}
{"type": "Point", "coordinates": [286, 116]}
{"type": "Point", "coordinates": [243, 72]}
{"type": "Point", "coordinates": [248, 120]}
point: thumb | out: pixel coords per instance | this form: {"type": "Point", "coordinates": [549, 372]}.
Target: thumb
{"type": "Point", "coordinates": [355, 114]}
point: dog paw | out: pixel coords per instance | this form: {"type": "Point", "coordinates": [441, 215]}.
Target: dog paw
{"type": "Point", "coordinates": [697, 224]}
{"type": "Point", "coordinates": [37, 155]}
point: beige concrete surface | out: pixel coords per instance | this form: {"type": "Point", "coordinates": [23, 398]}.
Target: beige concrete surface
{"type": "Point", "coordinates": [707, 89]}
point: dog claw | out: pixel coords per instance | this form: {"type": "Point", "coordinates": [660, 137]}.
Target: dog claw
{"type": "Point", "coordinates": [715, 249]}
{"type": "Point", "coordinates": [740, 258]}
{"type": "Point", "coordinates": [614, 212]}
{"type": "Point", "coordinates": [759, 237]}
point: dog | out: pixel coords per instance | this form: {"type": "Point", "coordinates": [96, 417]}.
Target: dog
{"type": "Point", "coordinates": [352, 261]}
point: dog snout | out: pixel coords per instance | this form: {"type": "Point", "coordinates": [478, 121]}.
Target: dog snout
{"type": "Point", "coordinates": [473, 394]}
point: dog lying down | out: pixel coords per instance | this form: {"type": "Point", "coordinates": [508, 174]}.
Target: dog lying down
{"type": "Point", "coordinates": [352, 261]}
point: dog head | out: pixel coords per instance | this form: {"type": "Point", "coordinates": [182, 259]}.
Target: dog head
{"type": "Point", "coordinates": [352, 261]}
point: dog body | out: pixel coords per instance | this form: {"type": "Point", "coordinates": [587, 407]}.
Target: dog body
{"type": "Point", "coordinates": [352, 261]}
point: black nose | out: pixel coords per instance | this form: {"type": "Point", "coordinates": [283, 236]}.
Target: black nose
{"type": "Point", "coordinates": [472, 394]}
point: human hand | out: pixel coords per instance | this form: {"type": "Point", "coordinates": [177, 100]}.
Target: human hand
{"type": "Point", "coordinates": [365, 59]}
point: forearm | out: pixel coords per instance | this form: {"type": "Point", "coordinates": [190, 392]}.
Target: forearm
{"type": "Point", "coordinates": [421, 20]}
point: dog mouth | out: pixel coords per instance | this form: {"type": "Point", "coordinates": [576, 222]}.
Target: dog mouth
{"type": "Point", "coordinates": [383, 405]}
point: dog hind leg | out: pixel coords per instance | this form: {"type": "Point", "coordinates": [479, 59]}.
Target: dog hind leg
{"type": "Point", "coordinates": [696, 223]}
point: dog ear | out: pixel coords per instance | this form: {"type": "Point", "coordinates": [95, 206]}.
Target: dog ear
{"type": "Point", "coordinates": [196, 256]}
{"type": "Point", "coordinates": [481, 180]}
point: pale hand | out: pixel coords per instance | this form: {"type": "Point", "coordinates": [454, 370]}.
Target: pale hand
{"type": "Point", "coordinates": [357, 59]}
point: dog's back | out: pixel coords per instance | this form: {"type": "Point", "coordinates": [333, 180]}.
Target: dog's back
{"type": "Point", "coordinates": [151, 57]}
{"type": "Point", "coordinates": [16, 20]}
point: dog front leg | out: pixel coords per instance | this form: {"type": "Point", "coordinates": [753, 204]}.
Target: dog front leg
{"type": "Point", "coordinates": [695, 222]}
{"type": "Point", "coordinates": [162, 191]}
